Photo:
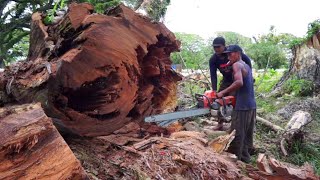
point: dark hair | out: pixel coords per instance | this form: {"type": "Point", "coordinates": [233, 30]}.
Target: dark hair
{"type": "Point", "coordinates": [218, 41]}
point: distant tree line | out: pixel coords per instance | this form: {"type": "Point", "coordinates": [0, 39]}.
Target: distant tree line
{"type": "Point", "coordinates": [270, 50]}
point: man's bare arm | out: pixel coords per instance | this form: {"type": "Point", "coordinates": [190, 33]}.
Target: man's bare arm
{"type": "Point", "coordinates": [237, 83]}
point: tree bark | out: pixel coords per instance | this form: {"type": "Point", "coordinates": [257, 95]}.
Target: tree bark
{"type": "Point", "coordinates": [305, 64]}
{"type": "Point", "coordinates": [32, 148]}
{"type": "Point", "coordinates": [95, 73]}
{"type": "Point", "coordinates": [293, 130]}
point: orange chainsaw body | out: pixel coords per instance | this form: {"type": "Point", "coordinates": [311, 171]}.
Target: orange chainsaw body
{"type": "Point", "coordinates": [210, 97]}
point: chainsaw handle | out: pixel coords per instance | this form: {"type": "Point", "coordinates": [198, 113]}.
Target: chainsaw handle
{"type": "Point", "coordinates": [200, 97]}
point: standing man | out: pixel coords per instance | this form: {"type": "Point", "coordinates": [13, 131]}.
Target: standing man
{"type": "Point", "coordinates": [244, 115]}
{"type": "Point", "coordinates": [219, 60]}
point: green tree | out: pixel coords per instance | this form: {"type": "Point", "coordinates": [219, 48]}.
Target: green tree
{"type": "Point", "coordinates": [266, 54]}
{"type": "Point", "coordinates": [195, 51]}
{"type": "Point", "coordinates": [270, 50]}
{"type": "Point", "coordinates": [235, 38]}
{"type": "Point", "coordinates": [155, 9]}
{"type": "Point", "coordinates": [15, 17]}
{"type": "Point", "coordinates": [100, 5]}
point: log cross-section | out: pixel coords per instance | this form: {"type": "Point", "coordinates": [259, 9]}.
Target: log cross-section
{"type": "Point", "coordinates": [94, 73]}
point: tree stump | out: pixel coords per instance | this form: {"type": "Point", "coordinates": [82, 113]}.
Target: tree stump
{"type": "Point", "coordinates": [305, 64]}
{"type": "Point", "coordinates": [94, 73]}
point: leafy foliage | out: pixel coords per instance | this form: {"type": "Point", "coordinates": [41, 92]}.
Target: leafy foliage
{"type": "Point", "coordinates": [19, 50]}
{"type": "Point", "coordinates": [15, 17]}
{"type": "Point", "coordinates": [302, 153]}
{"type": "Point", "coordinates": [313, 28]}
{"type": "Point", "coordinates": [265, 82]}
{"type": "Point", "coordinates": [51, 12]}
{"type": "Point", "coordinates": [270, 50]}
{"type": "Point", "coordinates": [101, 5]}
{"type": "Point", "coordinates": [235, 38]}
{"type": "Point", "coordinates": [157, 9]}
{"type": "Point", "coordinates": [296, 41]}
{"type": "Point", "coordinates": [298, 87]}
{"type": "Point", "coordinates": [195, 51]}
{"type": "Point", "coordinates": [267, 55]}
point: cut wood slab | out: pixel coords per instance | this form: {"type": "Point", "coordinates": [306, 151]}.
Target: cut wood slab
{"type": "Point", "coordinates": [190, 134]}
{"type": "Point", "coordinates": [222, 142]}
{"type": "Point", "coordinates": [273, 169]}
{"type": "Point", "coordinates": [144, 144]}
{"type": "Point", "coordinates": [32, 148]}
{"type": "Point", "coordinates": [263, 163]}
{"type": "Point", "coordinates": [292, 172]}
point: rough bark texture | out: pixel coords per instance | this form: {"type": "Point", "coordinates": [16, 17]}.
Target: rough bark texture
{"type": "Point", "coordinates": [305, 63]}
{"type": "Point", "coordinates": [32, 148]}
{"type": "Point", "coordinates": [293, 130]}
{"type": "Point", "coordinates": [95, 73]}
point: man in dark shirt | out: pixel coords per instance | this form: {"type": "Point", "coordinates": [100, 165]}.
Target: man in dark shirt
{"type": "Point", "coordinates": [244, 115]}
{"type": "Point", "coordinates": [219, 60]}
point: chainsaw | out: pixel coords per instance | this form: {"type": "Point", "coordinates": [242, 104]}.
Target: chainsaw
{"type": "Point", "coordinates": [207, 104]}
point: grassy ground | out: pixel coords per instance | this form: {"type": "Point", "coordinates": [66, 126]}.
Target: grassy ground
{"type": "Point", "coordinates": [268, 140]}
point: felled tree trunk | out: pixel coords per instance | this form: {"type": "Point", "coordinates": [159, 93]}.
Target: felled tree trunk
{"type": "Point", "coordinates": [305, 63]}
{"type": "Point", "coordinates": [269, 124]}
{"type": "Point", "coordinates": [95, 73]}
{"type": "Point", "coordinates": [32, 148]}
{"type": "Point", "coordinates": [293, 130]}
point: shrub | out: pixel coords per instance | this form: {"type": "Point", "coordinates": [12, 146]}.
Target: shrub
{"type": "Point", "coordinates": [298, 87]}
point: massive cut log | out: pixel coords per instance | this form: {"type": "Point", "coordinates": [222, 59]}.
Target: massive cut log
{"type": "Point", "coordinates": [94, 73]}
{"type": "Point", "coordinates": [32, 148]}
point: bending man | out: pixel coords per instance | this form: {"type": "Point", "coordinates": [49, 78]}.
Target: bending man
{"type": "Point", "coordinates": [219, 60]}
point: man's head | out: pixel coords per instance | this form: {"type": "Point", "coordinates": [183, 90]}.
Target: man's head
{"type": "Point", "coordinates": [219, 45]}
{"type": "Point", "coordinates": [234, 53]}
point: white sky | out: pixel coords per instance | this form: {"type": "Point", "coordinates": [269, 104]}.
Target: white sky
{"type": "Point", "coordinates": [247, 17]}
